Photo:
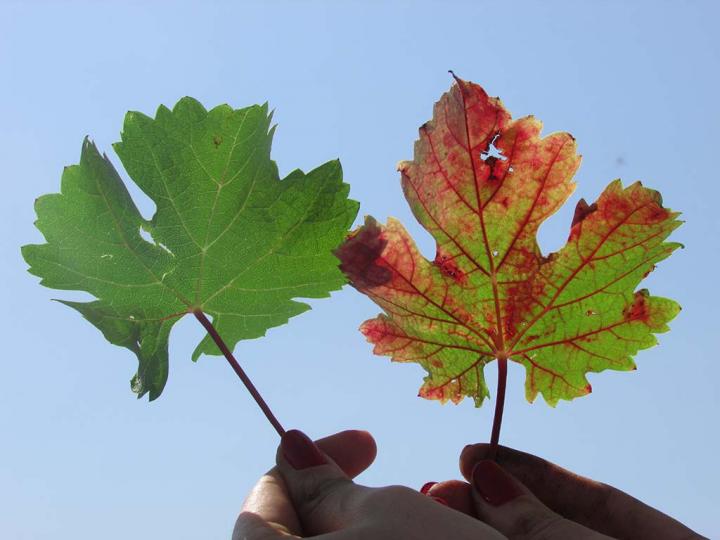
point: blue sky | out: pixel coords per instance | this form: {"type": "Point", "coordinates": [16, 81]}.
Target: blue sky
{"type": "Point", "coordinates": [637, 85]}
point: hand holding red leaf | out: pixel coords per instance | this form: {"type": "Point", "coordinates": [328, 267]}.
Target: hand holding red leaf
{"type": "Point", "coordinates": [482, 184]}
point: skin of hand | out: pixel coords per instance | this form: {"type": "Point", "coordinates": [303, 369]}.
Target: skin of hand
{"type": "Point", "coordinates": [310, 494]}
{"type": "Point", "coordinates": [352, 450]}
{"type": "Point", "coordinates": [527, 498]}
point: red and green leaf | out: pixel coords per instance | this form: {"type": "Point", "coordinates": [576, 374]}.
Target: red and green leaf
{"type": "Point", "coordinates": [482, 184]}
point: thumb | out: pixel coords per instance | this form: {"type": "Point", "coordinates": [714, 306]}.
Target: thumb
{"type": "Point", "coordinates": [505, 504]}
{"type": "Point", "coordinates": [324, 497]}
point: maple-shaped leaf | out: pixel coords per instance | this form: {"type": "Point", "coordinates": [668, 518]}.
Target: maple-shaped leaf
{"type": "Point", "coordinates": [482, 184]}
{"type": "Point", "coordinates": [229, 237]}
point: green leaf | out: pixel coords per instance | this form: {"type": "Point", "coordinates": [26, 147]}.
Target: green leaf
{"type": "Point", "coordinates": [228, 238]}
{"type": "Point", "coordinates": [482, 184]}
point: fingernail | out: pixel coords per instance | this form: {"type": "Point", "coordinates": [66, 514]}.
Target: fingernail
{"type": "Point", "coordinates": [300, 451]}
{"type": "Point", "coordinates": [494, 484]}
{"type": "Point", "coordinates": [427, 486]}
{"type": "Point", "coordinates": [439, 500]}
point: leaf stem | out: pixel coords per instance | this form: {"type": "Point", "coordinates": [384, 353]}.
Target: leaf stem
{"type": "Point", "coordinates": [200, 316]}
{"type": "Point", "coordinates": [499, 406]}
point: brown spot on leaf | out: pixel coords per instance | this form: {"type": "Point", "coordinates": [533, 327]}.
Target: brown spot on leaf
{"type": "Point", "coordinates": [449, 267]}
{"type": "Point", "coordinates": [217, 140]}
{"type": "Point", "coordinates": [583, 210]}
{"type": "Point", "coordinates": [432, 393]}
{"type": "Point", "coordinates": [359, 256]}
{"type": "Point", "coordinates": [639, 309]}
{"type": "Point", "coordinates": [658, 214]}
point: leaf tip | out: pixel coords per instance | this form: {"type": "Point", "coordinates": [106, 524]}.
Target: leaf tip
{"type": "Point", "coordinates": [404, 164]}
{"type": "Point", "coordinates": [189, 103]}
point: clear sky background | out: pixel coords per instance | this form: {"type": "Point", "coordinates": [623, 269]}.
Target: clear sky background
{"type": "Point", "coordinates": [635, 82]}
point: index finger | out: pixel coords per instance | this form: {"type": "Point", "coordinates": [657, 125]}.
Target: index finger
{"type": "Point", "coordinates": [352, 450]}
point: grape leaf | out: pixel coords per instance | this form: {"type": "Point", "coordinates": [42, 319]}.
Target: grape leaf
{"type": "Point", "coordinates": [481, 184]}
{"type": "Point", "coordinates": [228, 238]}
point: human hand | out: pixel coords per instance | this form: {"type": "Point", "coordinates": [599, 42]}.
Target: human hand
{"type": "Point", "coordinates": [310, 495]}
{"type": "Point", "coordinates": [525, 497]}
{"type": "Point", "coordinates": [353, 451]}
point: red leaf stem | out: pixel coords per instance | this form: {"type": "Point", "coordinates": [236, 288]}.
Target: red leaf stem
{"type": "Point", "coordinates": [499, 406]}
{"type": "Point", "coordinates": [200, 316]}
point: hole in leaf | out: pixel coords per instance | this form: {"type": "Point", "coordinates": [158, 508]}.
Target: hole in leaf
{"type": "Point", "coordinates": [146, 236]}
{"type": "Point", "coordinates": [145, 205]}
{"type": "Point", "coordinates": [493, 151]}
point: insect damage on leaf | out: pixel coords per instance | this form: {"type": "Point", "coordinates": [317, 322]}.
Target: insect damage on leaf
{"type": "Point", "coordinates": [229, 237]}
{"type": "Point", "coordinates": [482, 184]}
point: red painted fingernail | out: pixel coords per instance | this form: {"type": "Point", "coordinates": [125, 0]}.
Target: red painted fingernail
{"type": "Point", "coordinates": [300, 451]}
{"type": "Point", "coordinates": [494, 484]}
{"type": "Point", "coordinates": [427, 486]}
{"type": "Point", "coordinates": [440, 500]}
